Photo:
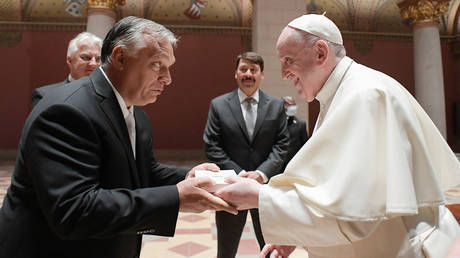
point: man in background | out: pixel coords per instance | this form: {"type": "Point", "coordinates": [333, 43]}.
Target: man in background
{"type": "Point", "coordinates": [298, 134]}
{"type": "Point", "coordinates": [83, 56]}
{"type": "Point", "coordinates": [246, 132]}
{"type": "Point", "coordinates": [370, 180]}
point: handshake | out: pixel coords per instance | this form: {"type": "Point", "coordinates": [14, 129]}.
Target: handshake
{"type": "Point", "coordinates": [206, 189]}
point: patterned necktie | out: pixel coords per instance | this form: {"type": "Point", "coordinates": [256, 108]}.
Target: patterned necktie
{"type": "Point", "coordinates": [250, 116]}
{"type": "Point", "coordinates": [130, 123]}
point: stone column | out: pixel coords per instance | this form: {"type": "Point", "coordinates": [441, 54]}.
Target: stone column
{"type": "Point", "coordinates": [456, 51]}
{"type": "Point", "coordinates": [269, 18]}
{"type": "Point", "coordinates": [423, 16]}
{"type": "Point", "coordinates": [101, 16]}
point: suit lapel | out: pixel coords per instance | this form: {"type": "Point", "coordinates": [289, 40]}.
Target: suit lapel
{"type": "Point", "coordinates": [235, 107]}
{"type": "Point", "coordinates": [142, 138]}
{"type": "Point", "coordinates": [262, 108]}
{"type": "Point", "coordinates": [111, 108]}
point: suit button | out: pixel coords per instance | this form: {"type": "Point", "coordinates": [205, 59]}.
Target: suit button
{"type": "Point", "coordinates": [251, 149]}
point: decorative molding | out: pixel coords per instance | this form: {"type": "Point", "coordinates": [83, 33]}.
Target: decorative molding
{"type": "Point", "coordinates": [357, 35]}
{"type": "Point", "coordinates": [422, 11]}
{"type": "Point", "coordinates": [110, 5]}
{"type": "Point", "coordinates": [194, 29]}
{"type": "Point", "coordinates": [45, 26]}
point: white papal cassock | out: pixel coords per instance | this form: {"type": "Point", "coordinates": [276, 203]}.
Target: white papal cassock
{"type": "Point", "coordinates": [370, 181]}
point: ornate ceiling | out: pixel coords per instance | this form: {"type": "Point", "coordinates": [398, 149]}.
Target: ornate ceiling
{"type": "Point", "coordinates": [375, 16]}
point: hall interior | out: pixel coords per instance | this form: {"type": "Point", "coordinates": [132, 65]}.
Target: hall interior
{"type": "Point", "coordinates": [380, 34]}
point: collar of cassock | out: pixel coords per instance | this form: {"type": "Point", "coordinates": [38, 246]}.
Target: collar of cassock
{"type": "Point", "coordinates": [332, 84]}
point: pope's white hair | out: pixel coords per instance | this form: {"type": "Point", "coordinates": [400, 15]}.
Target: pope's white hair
{"type": "Point", "coordinates": [309, 40]}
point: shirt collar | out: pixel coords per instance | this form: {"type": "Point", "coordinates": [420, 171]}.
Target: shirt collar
{"type": "Point", "coordinates": [125, 110]}
{"type": "Point", "coordinates": [332, 84]}
{"type": "Point", "coordinates": [242, 96]}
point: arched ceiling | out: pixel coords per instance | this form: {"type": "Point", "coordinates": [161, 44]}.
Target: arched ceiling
{"type": "Point", "coordinates": [382, 16]}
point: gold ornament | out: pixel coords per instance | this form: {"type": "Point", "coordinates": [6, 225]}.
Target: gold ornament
{"type": "Point", "coordinates": [105, 4]}
{"type": "Point", "coordinates": [417, 11]}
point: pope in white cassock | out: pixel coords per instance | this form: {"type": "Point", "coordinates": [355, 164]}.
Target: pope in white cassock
{"type": "Point", "coordinates": [370, 180]}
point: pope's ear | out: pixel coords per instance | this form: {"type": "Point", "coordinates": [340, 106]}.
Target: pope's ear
{"type": "Point", "coordinates": [322, 51]}
{"type": "Point", "coordinates": [118, 55]}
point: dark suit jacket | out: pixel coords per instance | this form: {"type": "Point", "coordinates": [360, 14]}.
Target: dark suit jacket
{"type": "Point", "coordinates": [226, 138]}
{"type": "Point", "coordinates": [38, 93]}
{"type": "Point", "coordinates": [77, 190]}
{"type": "Point", "coordinates": [298, 136]}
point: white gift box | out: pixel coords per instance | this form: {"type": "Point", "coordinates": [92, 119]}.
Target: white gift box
{"type": "Point", "coordinates": [217, 177]}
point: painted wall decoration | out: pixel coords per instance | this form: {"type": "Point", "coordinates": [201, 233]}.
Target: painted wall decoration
{"type": "Point", "coordinates": [194, 10]}
{"type": "Point", "coordinates": [382, 16]}
{"type": "Point", "coordinates": [358, 15]}
{"type": "Point", "coordinates": [75, 7]}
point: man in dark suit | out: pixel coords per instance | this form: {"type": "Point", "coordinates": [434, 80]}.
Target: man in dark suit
{"type": "Point", "coordinates": [246, 131]}
{"type": "Point", "coordinates": [83, 56]}
{"type": "Point", "coordinates": [85, 182]}
{"type": "Point", "coordinates": [297, 128]}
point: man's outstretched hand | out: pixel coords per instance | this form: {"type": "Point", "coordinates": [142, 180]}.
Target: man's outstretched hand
{"type": "Point", "coordinates": [203, 166]}
{"type": "Point", "coordinates": [193, 198]}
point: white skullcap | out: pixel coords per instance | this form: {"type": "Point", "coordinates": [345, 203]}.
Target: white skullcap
{"type": "Point", "coordinates": [318, 25]}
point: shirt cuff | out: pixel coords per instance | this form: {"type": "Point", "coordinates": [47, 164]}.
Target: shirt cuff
{"type": "Point", "coordinates": [262, 174]}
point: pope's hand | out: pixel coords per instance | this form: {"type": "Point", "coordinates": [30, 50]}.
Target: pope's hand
{"type": "Point", "coordinates": [242, 193]}
{"type": "Point", "coordinates": [203, 166]}
{"type": "Point", "coordinates": [277, 251]}
{"type": "Point", "coordinates": [253, 175]}
{"type": "Point", "coordinates": [195, 199]}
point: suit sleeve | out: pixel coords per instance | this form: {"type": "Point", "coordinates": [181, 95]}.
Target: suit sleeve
{"type": "Point", "coordinates": [304, 132]}
{"type": "Point", "coordinates": [213, 144]}
{"type": "Point", "coordinates": [62, 153]}
{"type": "Point", "coordinates": [166, 174]}
{"type": "Point", "coordinates": [36, 96]}
{"type": "Point", "coordinates": [274, 163]}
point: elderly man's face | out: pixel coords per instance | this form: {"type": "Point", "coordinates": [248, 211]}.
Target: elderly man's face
{"type": "Point", "coordinates": [85, 59]}
{"type": "Point", "coordinates": [146, 71]}
{"type": "Point", "coordinates": [298, 64]}
{"type": "Point", "coordinates": [248, 76]}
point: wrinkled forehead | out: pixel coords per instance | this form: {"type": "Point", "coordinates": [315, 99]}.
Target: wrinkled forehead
{"type": "Point", "coordinates": [288, 45]}
{"type": "Point", "coordinates": [88, 45]}
{"type": "Point", "coordinates": [159, 47]}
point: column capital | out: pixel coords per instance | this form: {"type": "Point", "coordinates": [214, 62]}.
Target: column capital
{"type": "Point", "coordinates": [110, 5]}
{"type": "Point", "coordinates": [422, 11]}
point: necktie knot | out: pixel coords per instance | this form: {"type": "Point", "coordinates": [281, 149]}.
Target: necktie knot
{"type": "Point", "coordinates": [250, 100]}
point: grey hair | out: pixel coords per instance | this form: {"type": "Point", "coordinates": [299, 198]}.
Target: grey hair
{"type": "Point", "coordinates": [129, 33]}
{"type": "Point", "coordinates": [73, 44]}
{"type": "Point", "coordinates": [309, 40]}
